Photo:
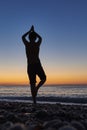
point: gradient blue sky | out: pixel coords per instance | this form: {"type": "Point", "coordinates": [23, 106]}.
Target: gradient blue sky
{"type": "Point", "coordinates": [63, 27]}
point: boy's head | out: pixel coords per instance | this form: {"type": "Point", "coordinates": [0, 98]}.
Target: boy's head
{"type": "Point", "coordinates": [32, 36]}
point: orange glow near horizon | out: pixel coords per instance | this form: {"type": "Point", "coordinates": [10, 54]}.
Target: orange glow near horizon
{"type": "Point", "coordinates": [51, 79]}
{"type": "Point", "coordinates": [54, 76]}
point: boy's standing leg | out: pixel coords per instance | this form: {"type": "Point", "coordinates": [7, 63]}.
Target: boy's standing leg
{"type": "Point", "coordinates": [33, 92]}
{"type": "Point", "coordinates": [32, 78]}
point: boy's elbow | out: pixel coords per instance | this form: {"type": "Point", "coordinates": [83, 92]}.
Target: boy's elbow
{"type": "Point", "coordinates": [22, 38]}
{"type": "Point", "coordinates": [41, 39]}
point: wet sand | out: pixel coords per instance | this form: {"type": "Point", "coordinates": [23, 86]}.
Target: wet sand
{"type": "Point", "coordinates": [27, 116]}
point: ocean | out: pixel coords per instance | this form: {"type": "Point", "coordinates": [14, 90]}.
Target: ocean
{"type": "Point", "coordinates": [52, 94]}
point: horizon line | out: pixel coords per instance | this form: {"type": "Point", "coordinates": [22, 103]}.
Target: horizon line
{"type": "Point", "coordinates": [64, 84]}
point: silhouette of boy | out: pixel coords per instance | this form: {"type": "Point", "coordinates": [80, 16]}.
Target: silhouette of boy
{"type": "Point", "coordinates": [34, 66]}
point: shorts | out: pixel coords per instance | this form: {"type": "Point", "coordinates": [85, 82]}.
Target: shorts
{"type": "Point", "coordinates": [35, 69]}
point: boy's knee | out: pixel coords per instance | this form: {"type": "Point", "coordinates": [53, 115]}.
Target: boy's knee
{"type": "Point", "coordinates": [44, 79]}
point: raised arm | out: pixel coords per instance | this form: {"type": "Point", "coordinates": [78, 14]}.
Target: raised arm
{"type": "Point", "coordinates": [39, 38]}
{"type": "Point", "coordinates": [24, 37]}
{"type": "Point", "coordinates": [27, 33]}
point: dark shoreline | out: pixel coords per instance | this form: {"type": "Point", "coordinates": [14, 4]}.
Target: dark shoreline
{"type": "Point", "coordinates": [51, 99]}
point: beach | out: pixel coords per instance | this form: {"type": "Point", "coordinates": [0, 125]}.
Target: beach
{"type": "Point", "coordinates": [46, 116]}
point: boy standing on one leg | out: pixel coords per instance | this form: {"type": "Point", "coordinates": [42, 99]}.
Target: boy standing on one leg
{"type": "Point", "coordinates": [34, 66]}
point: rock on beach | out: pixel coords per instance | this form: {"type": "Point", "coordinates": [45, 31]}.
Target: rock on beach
{"type": "Point", "coordinates": [27, 116]}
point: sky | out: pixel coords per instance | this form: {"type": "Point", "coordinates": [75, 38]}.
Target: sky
{"type": "Point", "coordinates": [62, 25]}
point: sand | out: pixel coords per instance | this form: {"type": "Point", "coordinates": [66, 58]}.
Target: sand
{"type": "Point", "coordinates": [27, 116]}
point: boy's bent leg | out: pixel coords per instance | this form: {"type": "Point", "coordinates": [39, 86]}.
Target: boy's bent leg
{"type": "Point", "coordinates": [41, 83]}
{"type": "Point", "coordinates": [42, 77]}
{"type": "Point", "coordinates": [41, 74]}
